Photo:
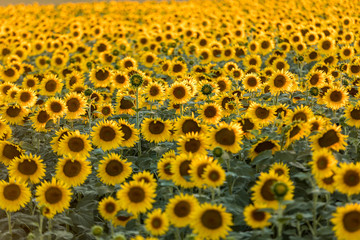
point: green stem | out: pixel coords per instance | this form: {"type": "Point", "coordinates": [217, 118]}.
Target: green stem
{"type": "Point", "coordinates": [315, 199]}
{"type": "Point", "coordinates": [177, 234]}
{"type": "Point", "coordinates": [49, 228]}
{"type": "Point", "coordinates": [89, 116]}
{"type": "Point", "coordinates": [41, 227]}
{"type": "Point", "coordinates": [9, 223]}
{"type": "Point", "coordinates": [212, 195]}
{"type": "Point", "coordinates": [349, 198]}
{"type": "Point", "coordinates": [298, 228]}
{"type": "Point", "coordinates": [279, 223]}
{"type": "Point", "coordinates": [138, 119]}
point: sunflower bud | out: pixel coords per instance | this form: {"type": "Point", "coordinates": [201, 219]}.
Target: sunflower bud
{"type": "Point", "coordinates": [218, 152]}
{"type": "Point", "coordinates": [136, 80]}
{"type": "Point", "coordinates": [30, 236]}
{"type": "Point", "coordinates": [97, 230]}
{"type": "Point", "coordinates": [299, 217]}
{"type": "Point", "coordinates": [115, 52]}
{"type": "Point", "coordinates": [300, 58]}
{"type": "Point", "coordinates": [207, 89]}
{"type": "Point", "coordinates": [119, 236]}
{"type": "Point", "coordinates": [89, 64]}
{"type": "Point", "coordinates": [88, 92]}
{"type": "Point", "coordinates": [279, 189]}
{"type": "Point", "coordinates": [314, 91]}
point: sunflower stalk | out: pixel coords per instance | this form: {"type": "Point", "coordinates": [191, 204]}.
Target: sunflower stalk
{"type": "Point", "coordinates": [279, 222]}
{"type": "Point", "coordinates": [315, 199]}
{"type": "Point", "coordinates": [8, 214]}
{"type": "Point", "coordinates": [89, 116]}
{"type": "Point", "coordinates": [41, 221]}
{"type": "Point", "coordinates": [138, 119]}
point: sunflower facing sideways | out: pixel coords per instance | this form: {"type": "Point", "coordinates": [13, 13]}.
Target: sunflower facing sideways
{"type": "Point", "coordinates": [107, 135]}
{"type": "Point", "coordinates": [9, 151]}
{"type": "Point", "coordinates": [262, 193]}
{"type": "Point", "coordinates": [75, 145]}
{"type": "Point", "coordinates": [157, 222]}
{"type": "Point", "coordinates": [329, 137]}
{"type": "Point", "coordinates": [113, 170]}
{"type": "Point", "coordinates": [211, 221]}
{"type": "Point", "coordinates": [72, 172]}
{"type": "Point", "coordinates": [262, 145]}
{"type": "Point", "coordinates": [255, 217]}
{"type": "Point", "coordinates": [27, 168]}
{"type": "Point", "coordinates": [180, 169]}
{"type": "Point", "coordinates": [346, 221]}
{"type": "Point", "coordinates": [226, 136]}
{"type": "Point", "coordinates": [54, 194]}
{"type": "Point", "coordinates": [40, 119]}
{"type": "Point", "coordinates": [13, 195]}
{"type": "Point", "coordinates": [155, 130]}
{"type": "Point", "coordinates": [131, 134]}
{"type": "Point", "coordinates": [136, 197]}
{"type": "Point", "coordinates": [352, 114]}
{"type": "Point", "coordinates": [14, 114]}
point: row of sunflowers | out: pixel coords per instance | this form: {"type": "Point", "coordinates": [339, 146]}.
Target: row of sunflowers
{"type": "Point", "coordinates": [180, 120]}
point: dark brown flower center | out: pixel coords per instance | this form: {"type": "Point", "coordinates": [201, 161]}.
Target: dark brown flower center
{"type": "Point", "coordinates": [107, 134]}
{"type": "Point", "coordinates": [294, 131]}
{"type": "Point", "coordinates": [102, 75]}
{"type": "Point", "coordinates": [211, 219]}
{"type": "Point", "coordinates": [262, 113]}
{"type": "Point", "coordinates": [182, 209]}
{"type": "Point", "coordinates": [120, 79]}
{"type": "Point", "coordinates": [156, 127]}
{"type": "Point", "coordinates": [326, 45]}
{"type": "Point", "coordinates": [114, 168]}
{"type": "Point", "coordinates": [263, 146]}
{"type": "Point", "coordinates": [328, 139]}
{"type": "Point", "coordinates": [73, 104]}
{"type": "Point", "coordinates": [76, 144]}
{"type": "Point", "coordinates": [56, 107]}
{"type": "Point", "coordinates": [266, 192]}
{"type": "Point", "coordinates": [351, 178]}
{"type": "Point", "coordinates": [355, 69]}
{"type": "Point", "coordinates": [179, 92]}
{"type": "Point", "coordinates": [9, 72]}
{"type": "Point", "coordinates": [156, 222]}
{"type": "Point", "coordinates": [322, 163]}
{"type": "Point", "coordinates": [192, 145]}
{"type": "Point", "coordinates": [177, 68]}
{"type": "Point", "coordinates": [225, 137]}
{"type": "Point", "coordinates": [50, 85]}
{"type": "Point", "coordinates": [184, 168]}
{"type": "Point", "coordinates": [214, 175]}
{"type": "Point", "coordinates": [300, 116]}
{"type": "Point", "coordinates": [13, 111]}
{"type": "Point", "coordinates": [258, 215]}
{"type": "Point", "coordinates": [355, 114]}
{"type": "Point", "coordinates": [279, 81]}
{"type": "Point", "coordinates": [126, 104]}
{"type": "Point", "coordinates": [336, 96]}
{"type": "Point", "coordinates": [72, 168]}
{"type": "Point", "coordinates": [351, 221]}
{"type": "Point", "coordinates": [53, 195]}
{"type": "Point", "coordinates": [127, 131]}
{"type": "Point", "coordinates": [136, 194]}
{"type": "Point", "coordinates": [110, 207]}
{"type": "Point", "coordinates": [12, 192]}
{"type": "Point", "coordinates": [43, 116]}
{"type": "Point", "coordinates": [190, 125]}
{"type": "Point", "coordinates": [210, 112]}
{"type": "Point", "coordinates": [252, 81]}
{"type": "Point", "coordinates": [154, 91]}
{"type": "Point", "coordinates": [27, 167]}
{"type": "Point", "coordinates": [11, 151]}
{"type": "Point", "coordinates": [25, 96]}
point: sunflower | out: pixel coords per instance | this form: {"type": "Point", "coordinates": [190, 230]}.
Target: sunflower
{"type": "Point", "coordinates": [75, 145]}
{"type": "Point", "coordinates": [164, 165]}
{"type": "Point", "coordinates": [251, 82]}
{"type": "Point", "coordinates": [146, 177]}
{"type": "Point", "coordinates": [352, 114]}
{"type": "Point", "coordinates": [179, 93]}
{"type": "Point", "coordinates": [30, 82]}
{"type": "Point", "coordinates": [280, 169]}
{"type": "Point", "coordinates": [262, 193]}
{"type": "Point", "coordinates": [128, 62]}
{"type": "Point", "coordinates": [40, 119]}
{"type": "Point", "coordinates": [100, 77]}
{"type": "Point", "coordinates": [315, 79]}
{"type": "Point", "coordinates": [108, 207]}
{"type": "Point", "coordinates": [107, 135]}
{"type": "Point", "coordinates": [157, 222]}
{"type": "Point", "coordinates": [9, 74]}
{"type": "Point", "coordinates": [326, 45]}
{"type": "Point", "coordinates": [155, 130]}
{"type": "Point", "coordinates": [180, 168]}
{"type": "Point", "coordinates": [354, 69]}
{"type": "Point", "coordinates": [211, 221]}
{"type": "Point", "coordinates": [27, 168]}
{"type": "Point", "coordinates": [74, 78]}
{"type": "Point", "coordinates": [136, 197]}
{"type": "Point", "coordinates": [330, 137]}
{"type": "Point", "coordinates": [177, 69]}
{"type": "Point", "coordinates": [50, 85]}
{"type": "Point", "coordinates": [125, 103]}
{"type": "Point", "coordinates": [14, 114]}
{"type": "Point", "coordinates": [255, 217]}
{"type": "Point", "coordinates": [346, 221]}
{"type": "Point", "coordinates": [214, 175]}
{"type": "Point", "coordinates": [55, 107]}
{"type": "Point", "coordinates": [327, 183]}
{"type": "Point", "coordinates": [42, 62]}
{"type": "Point", "coordinates": [105, 110]}
{"type": "Point", "coordinates": [113, 170]}
{"type": "Point", "coordinates": [180, 208]}
{"type": "Point", "coordinates": [122, 217]}
{"type": "Point", "coordinates": [197, 169]}
{"type": "Point", "coordinates": [318, 123]}
{"type": "Point", "coordinates": [59, 135]}
{"type": "Point", "coordinates": [336, 97]}
{"type": "Point", "coordinates": [263, 115]}
{"type": "Point", "coordinates": [300, 113]}
{"type": "Point", "coordinates": [9, 151]}
{"type": "Point", "coordinates": [210, 113]}
{"type": "Point", "coordinates": [280, 64]}
{"type": "Point", "coordinates": [154, 92]}
{"type": "Point", "coordinates": [26, 97]}
{"type": "Point", "coordinates": [76, 104]}
{"type": "Point", "coordinates": [47, 212]}
{"type": "Point", "coordinates": [262, 145]}
{"type": "Point", "coordinates": [72, 172]}
{"type": "Point", "coordinates": [252, 61]}
{"type": "Point", "coordinates": [226, 136]}
{"type": "Point", "coordinates": [54, 194]}
{"type": "Point", "coordinates": [280, 81]}
{"type": "Point", "coordinates": [297, 131]}
{"type": "Point", "coordinates": [323, 163]}
{"type": "Point", "coordinates": [347, 178]}
{"type": "Point", "coordinates": [253, 46]}
{"type": "Point", "coordinates": [13, 195]}
{"type": "Point", "coordinates": [193, 143]}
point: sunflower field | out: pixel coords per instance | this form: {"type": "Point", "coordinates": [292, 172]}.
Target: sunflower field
{"type": "Point", "coordinates": [180, 120]}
